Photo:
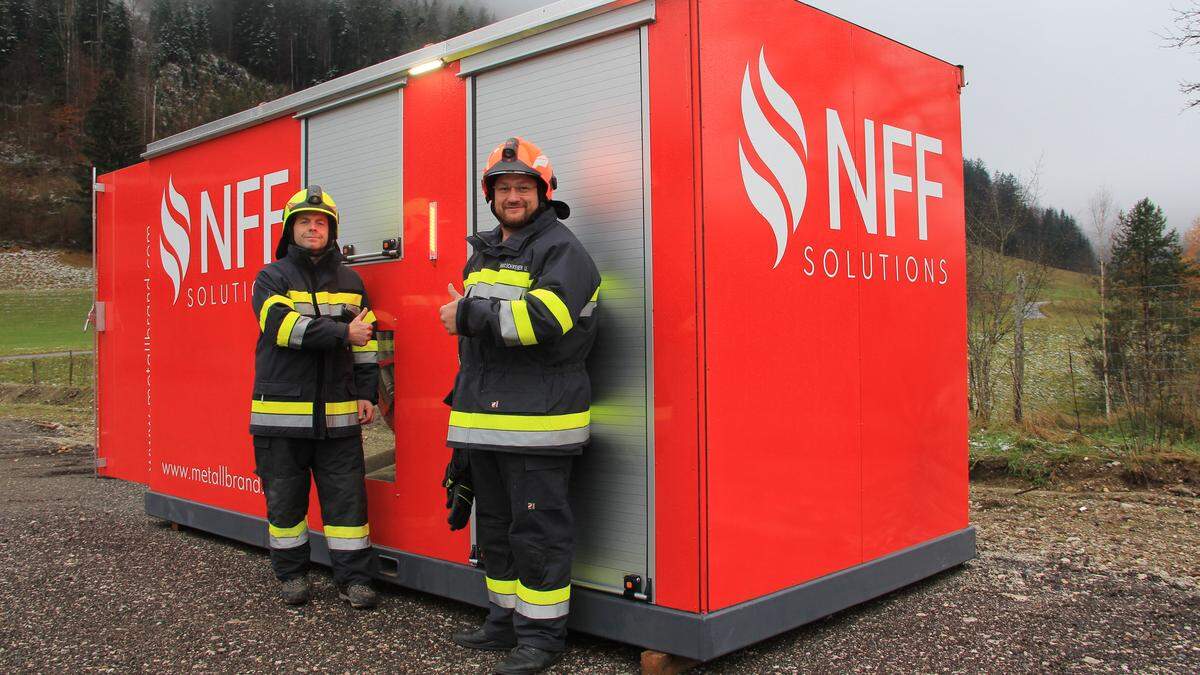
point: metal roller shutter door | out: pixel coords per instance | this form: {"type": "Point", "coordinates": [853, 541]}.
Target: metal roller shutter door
{"type": "Point", "coordinates": [583, 105]}
{"type": "Point", "coordinates": [354, 152]}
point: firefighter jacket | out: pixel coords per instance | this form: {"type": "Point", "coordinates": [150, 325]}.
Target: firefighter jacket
{"type": "Point", "coordinates": [308, 378]}
{"type": "Point", "coordinates": [525, 328]}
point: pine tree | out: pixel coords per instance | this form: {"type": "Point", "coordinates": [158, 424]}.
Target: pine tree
{"type": "Point", "coordinates": [1152, 315]}
{"type": "Point", "coordinates": [112, 137]}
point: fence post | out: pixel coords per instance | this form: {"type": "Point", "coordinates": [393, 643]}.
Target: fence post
{"type": "Point", "coordinates": [1018, 369]}
{"type": "Point", "coordinates": [70, 368]}
{"type": "Point", "coordinates": [33, 366]}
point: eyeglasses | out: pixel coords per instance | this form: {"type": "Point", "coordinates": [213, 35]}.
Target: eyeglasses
{"type": "Point", "coordinates": [522, 190]}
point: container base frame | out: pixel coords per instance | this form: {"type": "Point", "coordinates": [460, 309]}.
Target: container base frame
{"type": "Point", "coordinates": [702, 637]}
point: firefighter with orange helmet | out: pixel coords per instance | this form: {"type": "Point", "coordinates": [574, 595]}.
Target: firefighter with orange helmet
{"type": "Point", "coordinates": [521, 405]}
{"type": "Point", "coordinates": [315, 382]}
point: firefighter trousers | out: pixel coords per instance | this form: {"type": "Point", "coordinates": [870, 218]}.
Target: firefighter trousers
{"type": "Point", "coordinates": [524, 526]}
{"type": "Point", "coordinates": [287, 466]}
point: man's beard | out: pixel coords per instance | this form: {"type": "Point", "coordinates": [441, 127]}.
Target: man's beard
{"type": "Point", "coordinates": [521, 223]}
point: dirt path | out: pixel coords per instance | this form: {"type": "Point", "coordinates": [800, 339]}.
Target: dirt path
{"type": "Point", "coordinates": [1064, 582]}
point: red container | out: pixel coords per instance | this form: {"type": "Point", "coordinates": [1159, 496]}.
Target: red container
{"type": "Point", "coordinates": [774, 199]}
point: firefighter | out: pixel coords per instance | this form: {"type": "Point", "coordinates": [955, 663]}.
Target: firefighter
{"type": "Point", "coordinates": [520, 407]}
{"type": "Point", "coordinates": [315, 382]}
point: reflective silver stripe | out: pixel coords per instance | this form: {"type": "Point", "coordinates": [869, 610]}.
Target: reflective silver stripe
{"type": "Point", "coordinates": [525, 439]}
{"type": "Point", "coordinates": [508, 327]}
{"type": "Point", "coordinates": [347, 420]}
{"type": "Point", "coordinates": [289, 542]}
{"type": "Point", "coordinates": [272, 420]}
{"type": "Point", "coordinates": [366, 357]}
{"type": "Point", "coordinates": [506, 600]}
{"type": "Point", "coordinates": [532, 611]}
{"type": "Point", "coordinates": [297, 336]}
{"type": "Point", "coordinates": [307, 309]}
{"type": "Point", "coordinates": [588, 309]}
{"type": "Point", "coordinates": [354, 544]}
{"type": "Point", "coordinates": [498, 291]}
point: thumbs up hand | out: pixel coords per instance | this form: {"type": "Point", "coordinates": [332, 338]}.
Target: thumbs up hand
{"type": "Point", "coordinates": [448, 312]}
{"type": "Point", "coordinates": [359, 331]}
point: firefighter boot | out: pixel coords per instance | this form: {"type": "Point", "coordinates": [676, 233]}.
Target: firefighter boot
{"type": "Point", "coordinates": [360, 596]}
{"type": "Point", "coordinates": [525, 659]}
{"type": "Point", "coordinates": [295, 591]}
{"type": "Point", "coordinates": [480, 639]}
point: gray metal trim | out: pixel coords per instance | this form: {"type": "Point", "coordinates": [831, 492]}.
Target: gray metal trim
{"type": "Point", "coordinates": [471, 187]}
{"type": "Point", "coordinates": [367, 93]}
{"type": "Point", "coordinates": [697, 636]}
{"type": "Point", "coordinates": [596, 26]}
{"type": "Point", "coordinates": [651, 570]}
{"type": "Point", "coordinates": [304, 153]}
{"type": "Point", "coordinates": [489, 37]}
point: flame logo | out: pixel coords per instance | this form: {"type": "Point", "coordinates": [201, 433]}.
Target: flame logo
{"type": "Point", "coordinates": [174, 261]}
{"type": "Point", "coordinates": [776, 153]}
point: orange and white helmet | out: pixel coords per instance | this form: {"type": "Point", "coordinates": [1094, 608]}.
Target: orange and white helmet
{"type": "Point", "coordinates": [519, 156]}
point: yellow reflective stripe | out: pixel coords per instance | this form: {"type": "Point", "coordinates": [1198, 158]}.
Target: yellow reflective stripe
{"type": "Point", "coordinates": [371, 346]}
{"type": "Point", "coordinates": [470, 420]}
{"type": "Point", "coordinates": [543, 597]}
{"type": "Point", "coordinates": [293, 531]}
{"type": "Point", "coordinates": [498, 586]}
{"type": "Point", "coordinates": [285, 329]}
{"type": "Point", "coordinates": [341, 407]}
{"type": "Point", "coordinates": [507, 277]}
{"type": "Point", "coordinates": [347, 532]}
{"type": "Point", "coordinates": [524, 326]}
{"type": "Point", "coordinates": [272, 300]}
{"type": "Point", "coordinates": [556, 306]}
{"type": "Point", "coordinates": [326, 298]}
{"type": "Point", "coordinates": [595, 296]}
{"type": "Point", "coordinates": [282, 407]}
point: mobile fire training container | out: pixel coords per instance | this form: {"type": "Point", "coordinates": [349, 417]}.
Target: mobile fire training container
{"type": "Point", "coordinates": [774, 198]}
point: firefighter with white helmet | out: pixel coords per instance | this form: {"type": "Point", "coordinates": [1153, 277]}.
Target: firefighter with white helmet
{"type": "Point", "coordinates": [315, 382]}
{"type": "Point", "coordinates": [521, 404]}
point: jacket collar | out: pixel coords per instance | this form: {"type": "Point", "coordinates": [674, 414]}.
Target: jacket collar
{"type": "Point", "coordinates": [300, 256]}
{"type": "Point", "coordinates": [494, 238]}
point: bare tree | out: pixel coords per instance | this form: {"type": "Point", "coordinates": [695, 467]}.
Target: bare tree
{"type": "Point", "coordinates": [992, 283]}
{"type": "Point", "coordinates": [1101, 210]}
{"type": "Point", "coordinates": [1191, 241]}
{"type": "Point", "coordinates": [1186, 35]}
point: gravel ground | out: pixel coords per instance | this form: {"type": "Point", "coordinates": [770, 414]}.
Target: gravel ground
{"type": "Point", "coordinates": [1064, 582]}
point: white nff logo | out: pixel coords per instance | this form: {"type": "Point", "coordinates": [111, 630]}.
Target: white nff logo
{"type": "Point", "coordinates": [175, 260]}
{"type": "Point", "coordinates": [780, 158]}
{"type": "Point", "coordinates": [782, 207]}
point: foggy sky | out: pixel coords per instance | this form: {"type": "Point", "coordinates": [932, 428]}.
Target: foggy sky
{"type": "Point", "coordinates": [1083, 89]}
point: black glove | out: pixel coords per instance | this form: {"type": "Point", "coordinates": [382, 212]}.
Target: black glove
{"type": "Point", "coordinates": [459, 495]}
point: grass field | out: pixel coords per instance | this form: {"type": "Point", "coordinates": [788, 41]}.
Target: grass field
{"type": "Point", "coordinates": [1055, 345]}
{"type": "Point", "coordinates": [61, 371]}
{"type": "Point", "coordinates": [39, 321]}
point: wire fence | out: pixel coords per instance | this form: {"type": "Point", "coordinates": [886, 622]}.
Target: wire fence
{"type": "Point", "coordinates": [1075, 362]}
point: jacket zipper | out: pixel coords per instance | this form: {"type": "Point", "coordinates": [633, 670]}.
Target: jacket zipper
{"type": "Point", "coordinates": [320, 393]}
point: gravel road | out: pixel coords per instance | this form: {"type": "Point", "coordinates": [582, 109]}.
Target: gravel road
{"type": "Point", "coordinates": [1091, 582]}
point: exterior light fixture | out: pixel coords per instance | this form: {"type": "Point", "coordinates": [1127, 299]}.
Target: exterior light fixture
{"type": "Point", "coordinates": [433, 228]}
{"type": "Point", "coordinates": [426, 67]}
